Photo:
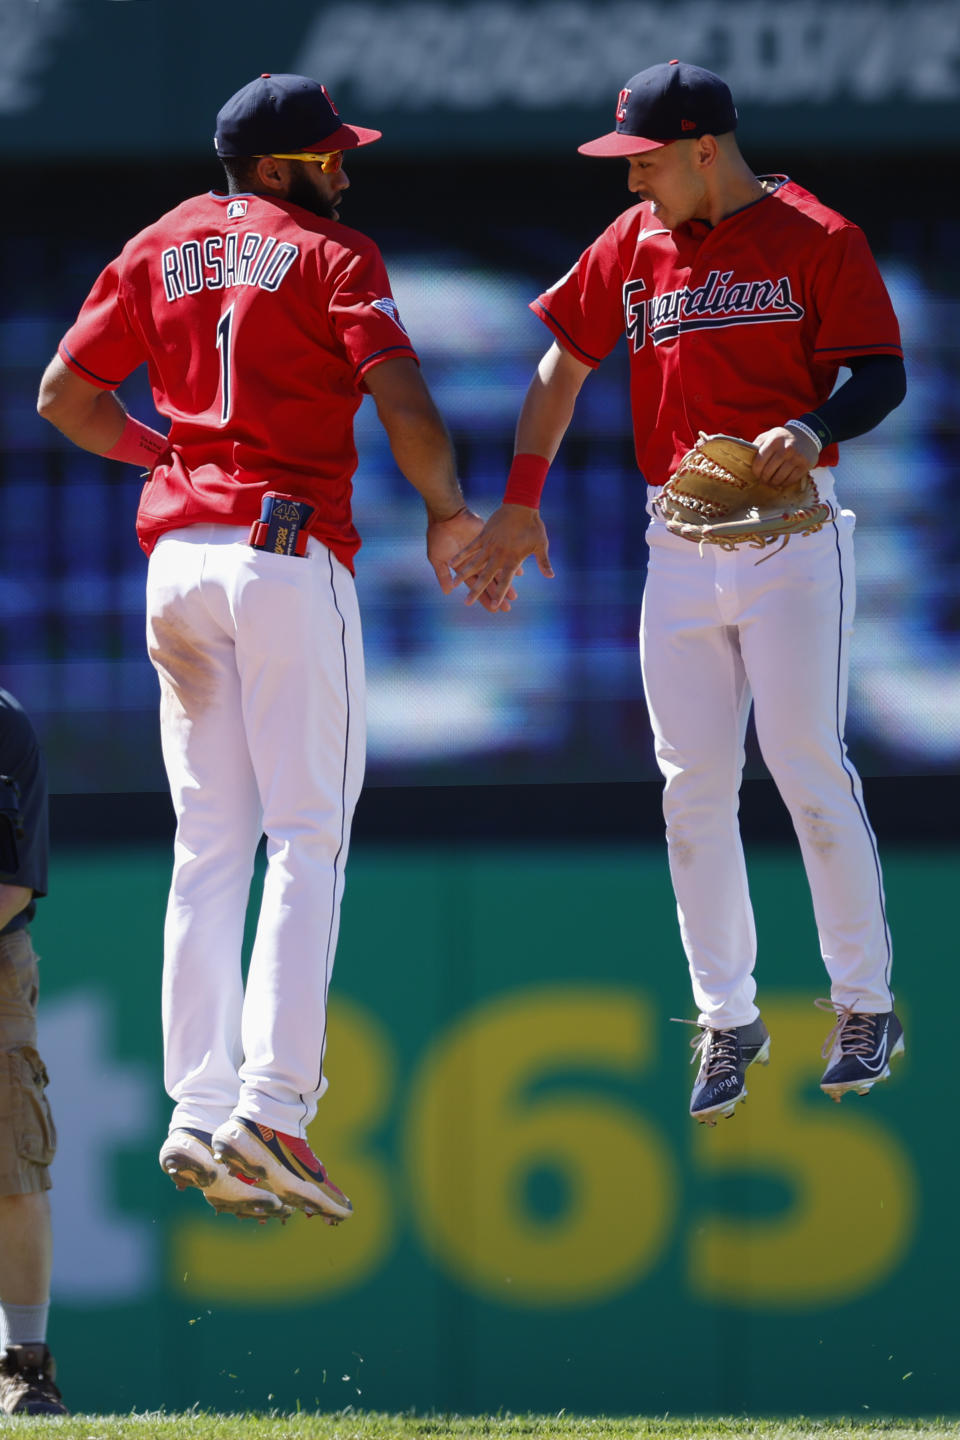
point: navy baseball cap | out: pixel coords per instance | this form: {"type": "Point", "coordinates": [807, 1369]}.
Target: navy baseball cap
{"type": "Point", "coordinates": [285, 114]}
{"type": "Point", "coordinates": [665, 103]}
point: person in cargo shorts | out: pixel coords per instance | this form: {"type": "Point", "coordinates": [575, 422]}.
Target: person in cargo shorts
{"type": "Point", "coordinates": [27, 1135]}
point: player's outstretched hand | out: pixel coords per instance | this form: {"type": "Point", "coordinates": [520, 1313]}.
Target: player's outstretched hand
{"type": "Point", "coordinates": [784, 457]}
{"type": "Point", "coordinates": [445, 541]}
{"type": "Point", "coordinates": [489, 563]}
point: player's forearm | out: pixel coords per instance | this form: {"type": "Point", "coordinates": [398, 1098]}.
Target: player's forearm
{"type": "Point", "coordinates": [98, 430]}
{"type": "Point", "coordinates": [424, 456]}
{"type": "Point", "coordinates": [549, 404]}
{"type": "Point", "coordinates": [92, 418]}
{"type": "Point", "coordinates": [418, 437]}
{"type": "Point", "coordinates": [95, 420]}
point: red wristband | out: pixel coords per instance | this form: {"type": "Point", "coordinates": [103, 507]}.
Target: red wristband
{"type": "Point", "coordinates": [525, 481]}
{"type": "Point", "coordinates": [138, 445]}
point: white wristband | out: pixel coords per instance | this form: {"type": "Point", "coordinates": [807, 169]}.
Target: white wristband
{"type": "Point", "coordinates": [805, 430]}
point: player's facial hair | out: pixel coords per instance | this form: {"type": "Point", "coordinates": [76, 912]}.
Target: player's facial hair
{"type": "Point", "coordinates": [301, 192]}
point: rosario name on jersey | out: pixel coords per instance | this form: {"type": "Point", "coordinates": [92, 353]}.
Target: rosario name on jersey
{"type": "Point", "coordinates": [258, 321]}
{"type": "Point", "coordinates": [733, 328]}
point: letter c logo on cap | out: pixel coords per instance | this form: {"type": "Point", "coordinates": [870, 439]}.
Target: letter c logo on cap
{"type": "Point", "coordinates": [622, 99]}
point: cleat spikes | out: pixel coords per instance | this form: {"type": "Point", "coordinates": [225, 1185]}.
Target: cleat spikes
{"type": "Point", "coordinates": [187, 1157]}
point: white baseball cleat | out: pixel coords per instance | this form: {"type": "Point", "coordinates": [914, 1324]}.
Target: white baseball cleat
{"type": "Point", "coordinates": [283, 1163]}
{"type": "Point", "coordinates": [187, 1157]}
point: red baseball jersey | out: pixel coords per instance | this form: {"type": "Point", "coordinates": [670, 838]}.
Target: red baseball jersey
{"type": "Point", "coordinates": [257, 321]}
{"type": "Point", "coordinates": [733, 328]}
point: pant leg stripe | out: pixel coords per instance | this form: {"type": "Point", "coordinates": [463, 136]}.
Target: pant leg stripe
{"type": "Point", "coordinates": [847, 767]}
{"type": "Point", "coordinates": [337, 867]}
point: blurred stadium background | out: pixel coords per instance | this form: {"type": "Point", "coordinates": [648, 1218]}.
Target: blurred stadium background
{"type": "Point", "coordinates": [538, 1225]}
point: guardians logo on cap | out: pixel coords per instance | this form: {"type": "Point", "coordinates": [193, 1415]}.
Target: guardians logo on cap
{"type": "Point", "coordinates": [666, 103]}
{"type": "Point", "coordinates": [285, 114]}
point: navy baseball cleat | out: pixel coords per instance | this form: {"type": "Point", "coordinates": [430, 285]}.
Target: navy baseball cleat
{"type": "Point", "coordinates": [285, 1164]}
{"type": "Point", "coordinates": [725, 1058]}
{"type": "Point", "coordinates": [858, 1050]}
{"type": "Point", "coordinates": [187, 1157]}
{"type": "Point", "coordinates": [27, 1382]}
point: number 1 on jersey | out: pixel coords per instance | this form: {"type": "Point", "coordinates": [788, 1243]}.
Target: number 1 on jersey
{"type": "Point", "coordinates": [224, 327]}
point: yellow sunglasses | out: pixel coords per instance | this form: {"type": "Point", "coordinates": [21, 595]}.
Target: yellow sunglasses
{"type": "Point", "coordinates": [329, 164]}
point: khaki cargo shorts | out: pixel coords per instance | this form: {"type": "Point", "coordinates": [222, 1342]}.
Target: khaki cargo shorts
{"type": "Point", "coordinates": [28, 1138]}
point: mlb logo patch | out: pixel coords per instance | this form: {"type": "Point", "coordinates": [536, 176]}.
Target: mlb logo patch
{"type": "Point", "coordinates": [388, 306]}
{"type": "Point", "coordinates": [236, 209]}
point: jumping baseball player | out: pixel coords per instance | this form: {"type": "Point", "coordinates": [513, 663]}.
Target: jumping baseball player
{"type": "Point", "coordinates": [263, 321]}
{"type": "Point", "coordinates": [740, 298]}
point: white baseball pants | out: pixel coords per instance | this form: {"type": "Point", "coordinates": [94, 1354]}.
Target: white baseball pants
{"type": "Point", "coordinates": [718, 630]}
{"type": "Point", "coordinates": [263, 730]}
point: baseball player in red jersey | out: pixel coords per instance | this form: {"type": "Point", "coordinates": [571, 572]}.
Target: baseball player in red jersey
{"type": "Point", "coordinates": [262, 320]}
{"type": "Point", "coordinates": [740, 298]}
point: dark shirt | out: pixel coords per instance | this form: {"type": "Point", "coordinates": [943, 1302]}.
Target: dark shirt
{"type": "Point", "coordinates": [21, 760]}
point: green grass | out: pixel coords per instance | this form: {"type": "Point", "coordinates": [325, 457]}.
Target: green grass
{"type": "Point", "coordinates": [359, 1425]}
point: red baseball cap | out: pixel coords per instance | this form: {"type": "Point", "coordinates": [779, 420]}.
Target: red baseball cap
{"type": "Point", "coordinates": [666, 103]}
{"type": "Point", "coordinates": [284, 114]}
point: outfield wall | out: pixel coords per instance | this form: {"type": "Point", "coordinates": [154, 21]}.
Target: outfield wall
{"type": "Point", "coordinates": [538, 1223]}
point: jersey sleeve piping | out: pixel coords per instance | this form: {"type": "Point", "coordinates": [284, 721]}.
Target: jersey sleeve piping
{"type": "Point", "coordinates": [882, 348]}
{"type": "Point", "coordinates": [566, 340]}
{"type": "Point", "coordinates": [83, 372]}
{"type": "Point", "coordinates": [387, 353]}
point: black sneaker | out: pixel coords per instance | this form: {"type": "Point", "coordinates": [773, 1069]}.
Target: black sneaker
{"type": "Point", "coordinates": [725, 1057]}
{"type": "Point", "coordinates": [26, 1382]}
{"type": "Point", "coordinates": [858, 1050]}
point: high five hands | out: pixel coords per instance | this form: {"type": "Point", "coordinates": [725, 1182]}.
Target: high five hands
{"type": "Point", "coordinates": [459, 535]}
{"type": "Point", "coordinates": [493, 558]}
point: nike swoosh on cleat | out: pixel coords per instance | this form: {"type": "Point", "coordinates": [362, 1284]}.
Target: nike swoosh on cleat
{"type": "Point", "coordinates": [875, 1067]}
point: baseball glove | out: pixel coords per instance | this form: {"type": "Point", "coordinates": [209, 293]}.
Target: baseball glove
{"type": "Point", "coordinates": [714, 498]}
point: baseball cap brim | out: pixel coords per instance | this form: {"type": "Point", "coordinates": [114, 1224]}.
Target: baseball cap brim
{"type": "Point", "coordinates": [616, 143]}
{"type": "Point", "coordinates": [348, 137]}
